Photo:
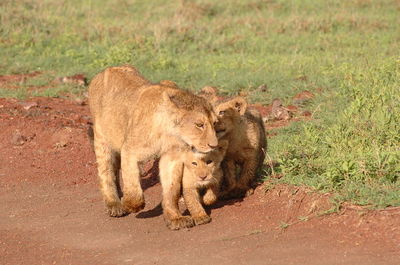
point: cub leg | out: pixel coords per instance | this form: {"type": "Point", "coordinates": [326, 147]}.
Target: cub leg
{"type": "Point", "coordinates": [171, 171]}
{"type": "Point", "coordinates": [247, 176]}
{"type": "Point", "coordinates": [211, 195]}
{"type": "Point", "coordinates": [107, 169]}
{"type": "Point", "coordinates": [133, 199]}
{"type": "Point", "coordinates": [229, 169]}
{"type": "Point", "coordinates": [192, 200]}
{"type": "Point", "coordinates": [213, 191]}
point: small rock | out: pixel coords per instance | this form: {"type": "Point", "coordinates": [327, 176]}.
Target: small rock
{"type": "Point", "coordinates": [278, 111]}
{"type": "Point", "coordinates": [61, 138]}
{"type": "Point", "coordinates": [28, 105]}
{"type": "Point", "coordinates": [18, 139]}
{"type": "Point", "coordinates": [306, 113]}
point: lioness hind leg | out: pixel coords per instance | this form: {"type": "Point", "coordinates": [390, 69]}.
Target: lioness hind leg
{"type": "Point", "coordinates": [133, 198]}
{"type": "Point", "coordinates": [171, 177]}
{"type": "Point", "coordinates": [106, 161]}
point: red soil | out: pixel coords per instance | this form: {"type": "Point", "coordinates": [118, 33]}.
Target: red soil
{"type": "Point", "coordinates": [51, 211]}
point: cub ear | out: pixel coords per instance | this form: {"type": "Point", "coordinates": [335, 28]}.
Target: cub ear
{"type": "Point", "coordinates": [239, 104]}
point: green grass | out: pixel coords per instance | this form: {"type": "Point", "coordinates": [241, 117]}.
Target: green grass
{"type": "Point", "coordinates": [350, 49]}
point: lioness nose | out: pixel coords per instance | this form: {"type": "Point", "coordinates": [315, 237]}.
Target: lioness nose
{"type": "Point", "coordinates": [213, 146]}
{"type": "Point", "coordinates": [203, 177]}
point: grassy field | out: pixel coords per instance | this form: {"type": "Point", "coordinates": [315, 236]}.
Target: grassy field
{"type": "Point", "coordinates": [349, 50]}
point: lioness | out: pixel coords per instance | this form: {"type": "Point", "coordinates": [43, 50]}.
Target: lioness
{"type": "Point", "coordinates": [202, 174]}
{"type": "Point", "coordinates": [244, 129]}
{"type": "Point", "coordinates": [134, 120]}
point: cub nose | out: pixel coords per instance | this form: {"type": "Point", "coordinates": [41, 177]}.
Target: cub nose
{"type": "Point", "coordinates": [203, 177]}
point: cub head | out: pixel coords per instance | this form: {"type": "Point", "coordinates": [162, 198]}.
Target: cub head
{"type": "Point", "coordinates": [193, 119]}
{"type": "Point", "coordinates": [229, 113]}
{"type": "Point", "coordinates": [204, 166]}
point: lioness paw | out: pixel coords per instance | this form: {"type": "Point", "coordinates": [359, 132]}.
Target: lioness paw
{"type": "Point", "coordinates": [179, 223]}
{"type": "Point", "coordinates": [115, 209]}
{"type": "Point", "coordinates": [204, 219]}
{"type": "Point", "coordinates": [132, 206]}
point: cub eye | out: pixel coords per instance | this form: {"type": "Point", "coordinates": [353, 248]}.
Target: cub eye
{"type": "Point", "coordinates": [209, 162]}
{"type": "Point", "coordinates": [200, 125]}
{"type": "Point", "coordinates": [194, 163]}
{"type": "Point", "coordinates": [221, 113]}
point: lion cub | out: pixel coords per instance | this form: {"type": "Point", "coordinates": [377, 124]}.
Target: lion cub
{"type": "Point", "coordinates": [202, 174]}
{"type": "Point", "coordinates": [244, 129]}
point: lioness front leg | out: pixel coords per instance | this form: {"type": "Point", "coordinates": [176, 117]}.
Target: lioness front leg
{"type": "Point", "coordinates": [133, 199]}
{"type": "Point", "coordinates": [192, 200]}
{"type": "Point", "coordinates": [171, 172]}
{"type": "Point", "coordinates": [107, 165]}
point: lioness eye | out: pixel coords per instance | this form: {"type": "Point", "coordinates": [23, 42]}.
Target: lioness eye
{"type": "Point", "coordinates": [221, 113]}
{"type": "Point", "coordinates": [209, 162]}
{"type": "Point", "coordinates": [194, 163]}
{"type": "Point", "coordinates": [200, 125]}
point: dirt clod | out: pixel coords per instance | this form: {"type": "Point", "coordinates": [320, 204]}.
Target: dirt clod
{"type": "Point", "coordinates": [18, 139]}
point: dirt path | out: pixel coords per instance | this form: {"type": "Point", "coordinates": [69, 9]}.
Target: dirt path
{"type": "Point", "coordinates": [51, 211]}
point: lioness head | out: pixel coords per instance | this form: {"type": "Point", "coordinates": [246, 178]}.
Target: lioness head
{"type": "Point", "coordinates": [229, 113]}
{"type": "Point", "coordinates": [204, 166]}
{"type": "Point", "coordinates": [193, 119]}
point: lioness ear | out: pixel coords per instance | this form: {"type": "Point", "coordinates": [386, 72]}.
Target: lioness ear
{"type": "Point", "coordinates": [170, 97]}
{"type": "Point", "coordinates": [209, 93]}
{"type": "Point", "coordinates": [239, 104]}
{"type": "Point", "coordinates": [168, 83]}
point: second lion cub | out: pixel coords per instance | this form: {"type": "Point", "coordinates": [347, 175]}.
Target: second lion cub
{"type": "Point", "coordinates": [244, 129]}
{"type": "Point", "coordinates": [202, 176]}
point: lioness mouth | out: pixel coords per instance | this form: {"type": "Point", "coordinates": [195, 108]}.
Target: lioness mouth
{"type": "Point", "coordinates": [194, 150]}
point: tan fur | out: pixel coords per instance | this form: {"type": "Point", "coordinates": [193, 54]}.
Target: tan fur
{"type": "Point", "coordinates": [245, 132]}
{"type": "Point", "coordinates": [202, 173]}
{"type": "Point", "coordinates": [209, 93]}
{"type": "Point", "coordinates": [135, 120]}
{"type": "Point", "coordinates": [168, 83]}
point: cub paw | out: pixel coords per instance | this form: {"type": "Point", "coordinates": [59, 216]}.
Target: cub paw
{"type": "Point", "coordinates": [179, 223]}
{"type": "Point", "coordinates": [115, 209]}
{"type": "Point", "coordinates": [249, 192]}
{"type": "Point", "coordinates": [209, 198]}
{"type": "Point", "coordinates": [205, 219]}
{"type": "Point", "coordinates": [131, 205]}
